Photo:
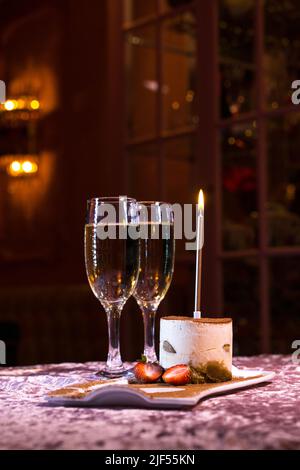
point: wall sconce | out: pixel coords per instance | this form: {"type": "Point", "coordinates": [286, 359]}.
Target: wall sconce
{"type": "Point", "coordinates": [21, 165]}
{"type": "Point", "coordinates": [22, 108]}
{"type": "Point", "coordinates": [26, 103]}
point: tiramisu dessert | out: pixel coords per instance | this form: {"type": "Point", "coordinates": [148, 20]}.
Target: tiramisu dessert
{"type": "Point", "coordinates": [204, 344]}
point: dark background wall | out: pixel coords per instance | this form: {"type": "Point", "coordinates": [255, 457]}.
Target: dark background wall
{"type": "Point", "coordinates": [170, 96]}
{"type": "Point", "coordinates": [61, 51]}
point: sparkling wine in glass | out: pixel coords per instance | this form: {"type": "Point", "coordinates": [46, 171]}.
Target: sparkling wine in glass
{"type": "Point", "coordinates": [157, 252]}
{"type": "Point", "coordinates": [112, 259]}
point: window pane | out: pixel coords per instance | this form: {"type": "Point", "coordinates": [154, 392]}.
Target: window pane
{"type": "Point", "coordinates": [285, 303]}
{"type": "Point", "coordinates": [179, 157]}
{"type": "Point", "coordinates": [170, 5]}
{"type": "Point", "coordinates": [284, 180]}
{"type": "Point", "coordinates": [144, 173]}
{"type": "Point", "coordinates": [237, 66]}
{"type": "Point", "coordinates": [141, 84]}
{"type": "Point", "coordinates": [135, 9]}
{"type": "Point", "coordinates": [178, 165]}
{"type": "Point", "coordinates": [239, 186]}
{"type": "Point", "coordinates": [241, 303]}
{"type": "Point", "coordinates": [282, 50]}
{"type": "Point", "coordinates": [179, 72]}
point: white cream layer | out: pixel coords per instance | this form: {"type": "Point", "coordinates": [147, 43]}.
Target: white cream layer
{"type": "Point", "coordinates": [195, 342]}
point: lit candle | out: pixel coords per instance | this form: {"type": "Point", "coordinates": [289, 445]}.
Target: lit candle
{"type": "Point", "coordinates": [199, 246]}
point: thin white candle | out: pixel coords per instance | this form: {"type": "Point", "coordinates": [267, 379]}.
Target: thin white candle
{"type": "Point", "coordinates": [199, 246]}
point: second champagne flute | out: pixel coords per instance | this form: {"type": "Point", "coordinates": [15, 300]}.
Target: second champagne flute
{"type": "Point", "coordinates": [157, 252]}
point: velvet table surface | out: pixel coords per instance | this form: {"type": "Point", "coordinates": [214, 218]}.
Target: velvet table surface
{"type": "Point", "coordinates": [262, 417]}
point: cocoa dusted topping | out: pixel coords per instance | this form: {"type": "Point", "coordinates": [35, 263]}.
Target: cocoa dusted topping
{"type": "Point", "coordinates": [199, 320]}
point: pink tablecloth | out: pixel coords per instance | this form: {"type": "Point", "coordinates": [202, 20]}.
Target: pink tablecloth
{"type": "Point", "coordinates": [265, 417]}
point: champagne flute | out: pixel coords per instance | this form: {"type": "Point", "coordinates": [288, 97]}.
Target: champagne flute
{"type": "Point", "coordinates": [157, 254]}
{"type": "Point", "coordinates": [112, 258]}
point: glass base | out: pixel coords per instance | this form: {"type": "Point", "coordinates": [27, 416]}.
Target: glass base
{"type": "Point", "coordinates": [122, 372]}
{"type": "Point", "coordinates": [150, 356]}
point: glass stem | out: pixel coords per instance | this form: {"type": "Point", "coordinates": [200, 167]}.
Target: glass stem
{"type": "Point", "coordinates": [149, 313]}
{"type": "Point", "coordinates": [114, 361]}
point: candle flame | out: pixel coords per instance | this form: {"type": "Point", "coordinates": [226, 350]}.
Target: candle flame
{"type": "Point", "coordinates": [201, 201]}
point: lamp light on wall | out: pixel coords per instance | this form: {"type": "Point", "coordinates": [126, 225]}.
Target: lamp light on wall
{"type": "Point", "coordinates": [10, 105]}
{"type": "Point", "coordinates": [35, 104]}
{"type": "Point", "coordinates": [189, 97]}
{"type": "Point", "coordinates": [27, 103]}
{"type": "Point", "coordinates": [21, 165]}
{"type": "Point", "coordinates": [21, 108]}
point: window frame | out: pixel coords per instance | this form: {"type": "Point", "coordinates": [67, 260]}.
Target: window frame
{"type": "Point", "coordinates": [208, 158]}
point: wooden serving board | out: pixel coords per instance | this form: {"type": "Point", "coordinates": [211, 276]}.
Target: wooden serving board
{"type": "Point", "coordinates": [118, 392]}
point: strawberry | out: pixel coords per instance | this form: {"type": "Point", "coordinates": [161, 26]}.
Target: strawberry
{"type": "Point", "coordinates": [147, 372]}
{"type": "Point", "coordinates": [177, 375]}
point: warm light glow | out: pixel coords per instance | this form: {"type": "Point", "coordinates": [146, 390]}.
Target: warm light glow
{"type": "Point", "coordinates": [35, 104]}
{"type": "Point", "coordinates": [26, 103]}
{"type": "Point", "coordinates": [189, 96]}
{"type": "Point", "coordinates": [151, 85]}
{"type": "Point", "coordinates": [201, 201]}
{"type": "Point", "coordinates": [175, 105]}
{"type": "Point", "coordinates": [15, 167]}
{"type": "Point", "coordinates": [21, 103]}
{"type": "Point", "coordinates": [9, 105]}
{"type": "Point", "coordinates": [234, 108]}
{"type": "Point", "coordinates": [20, 167]}
{"type": "Point", "coordinates": [29, 167]}
{"type": "Point", "coordinates": [135, 40]}
{"type": "Point", "coordinates": [291, 192]}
